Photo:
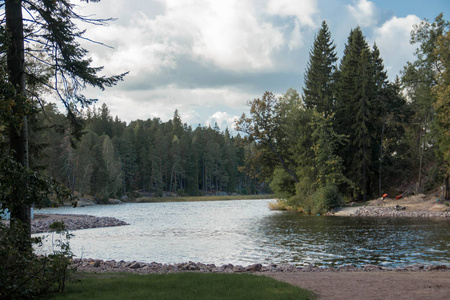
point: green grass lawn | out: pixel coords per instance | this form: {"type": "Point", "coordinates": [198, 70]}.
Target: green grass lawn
{"type": "Point", "coordinates": [179, 286]}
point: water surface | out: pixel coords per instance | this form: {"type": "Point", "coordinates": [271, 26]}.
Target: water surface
{"type": "Point", "coordinates": [246, 232]}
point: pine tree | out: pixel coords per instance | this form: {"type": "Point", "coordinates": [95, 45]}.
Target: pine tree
{"type": "Point", "coordinates": [52, 23]}
{"type": "Point", "coordinates": [321, 73]}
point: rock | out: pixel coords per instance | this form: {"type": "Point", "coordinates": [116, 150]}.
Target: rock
{"type": "Point", "coordinates": [398, 207]}
{"type": "Point", "coordinates": [238, 268]}
{"type": "Point", "coordinates": [134, 265]}
{"type": "Point", "coordinates": [254, 268]}
{"type": "Point", "coordinates": [91, 265]}
{"type": "Point", "coordinates": [115, 201]}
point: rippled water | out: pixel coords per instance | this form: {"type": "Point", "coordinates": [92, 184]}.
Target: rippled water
{"type": "Point", "coordinates": [246, 231]}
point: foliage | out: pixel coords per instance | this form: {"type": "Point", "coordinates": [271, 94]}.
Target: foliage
{"type": "Point", "coordinates": [322, 200]}
{"type": "Point", "coordinates": [113, 158]}
{"type": "Point", "coordinates": [181, 286]}
{"type": "Point", "coordinates": [327, 164]}
{"type": "Point", "coordinates": [37, 190]}
{"type": "Point", "coordinates": [282, 184]}
{"type": "Point", "coordinates": [26, 275]}
{"type": "Point", "coordinates": [424, 80]}
{"type": "Point", "coordinates": [320, 75]}
{"type": "Point", "coordinates": [442, 92]}
{"type": "Point", "coordinates": [266, 126]}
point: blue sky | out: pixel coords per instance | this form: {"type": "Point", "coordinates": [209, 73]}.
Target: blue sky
{"type": "Point", "coordinates": [208, 58]}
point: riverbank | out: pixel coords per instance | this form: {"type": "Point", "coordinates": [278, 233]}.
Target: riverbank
{"type": "Point", "coordinates": [41, 222]}
{"type": "Point", "coordinates": [415, 206]}
{"type": "Point", "coordinates": [345, 282]}
{"type": "Point", "coordinates": [102, 266]}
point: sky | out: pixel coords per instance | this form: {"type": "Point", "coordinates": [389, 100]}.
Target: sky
{"type": "Point", "coordinates": [209, 58]}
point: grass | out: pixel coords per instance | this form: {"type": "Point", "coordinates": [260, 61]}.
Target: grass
{"type": "Point", "coordinates": [179, 286]}
{"type": "Point", "coordinates": [202, 198]}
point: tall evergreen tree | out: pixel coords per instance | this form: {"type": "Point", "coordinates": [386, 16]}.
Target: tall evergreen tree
{"type": "Point", "coordinates": [355, 93]}
{"type": "Point", "coordinates": [320, 73]}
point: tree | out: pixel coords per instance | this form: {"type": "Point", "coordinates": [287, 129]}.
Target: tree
{"type": "Point", "coordinates": [320, 73]}
{"type": "Point", "coordinates": [354, 117]}
{"type": "Point", "coordinates": [264, 127]}
{"type": "Point", "coordinates": [113, 169]}
{"type": "Point", "coordinates": [419, 79]}
{"type": "Point", "coordinates": [442, 105]}
{"type": "Point", "coordinates": [50, 25]}
{"type": "Point", "coordinates": [327, 164]}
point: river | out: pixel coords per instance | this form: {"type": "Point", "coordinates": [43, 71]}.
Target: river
{"type": "Point", "coordinates": [244, 232]}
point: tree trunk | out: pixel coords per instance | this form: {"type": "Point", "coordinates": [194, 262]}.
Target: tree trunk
{"type": "Point", "coordinates": [18, 133]}
{"type": "Point", "coordinates": [380, 192]}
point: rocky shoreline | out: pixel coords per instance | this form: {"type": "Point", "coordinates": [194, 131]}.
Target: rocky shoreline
{"type": "Point", "coordinates": [41, 223]}
{"type": "Point", "coordinates": [101, 266]}
{"type": "Point", "coordinates": [397, 211]}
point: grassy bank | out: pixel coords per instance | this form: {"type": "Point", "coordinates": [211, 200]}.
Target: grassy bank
{"type": "Point", "coordinates": [202, 198]}
{"type": "Point", "coordinates": [179, 286]}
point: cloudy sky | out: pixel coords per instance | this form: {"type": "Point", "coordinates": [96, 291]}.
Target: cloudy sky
{"type": "Point", "coordinates": [208, 58]}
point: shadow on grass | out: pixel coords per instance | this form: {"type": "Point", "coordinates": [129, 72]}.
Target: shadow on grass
{"type": "Point", "coordinates": [179, 286]}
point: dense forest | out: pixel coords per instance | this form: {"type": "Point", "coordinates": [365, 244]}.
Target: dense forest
{"type": "Point", "coordinates": [111, 158]}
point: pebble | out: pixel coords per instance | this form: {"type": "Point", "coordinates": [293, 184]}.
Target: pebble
{"type": "Point", "coordinates": [75, 222]}
{"type": "Point", "coordinates": [394, 212]}
{"type": "Point", "coordinates": [100, 266]}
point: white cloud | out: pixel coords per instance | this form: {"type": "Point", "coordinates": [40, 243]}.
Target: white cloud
{"type": "Point", "coordinates": [303, 13]}
{"type": "Point", "coordinates": [229, 34]}
{"type": "Point", "coordinates": [303, 10]}
{"type": "Point", "coordinates": [364, 12]}
{"type": "Point", "coordinates": [392, 39]}
{"type": "Point", "coordinates": [223, 120]}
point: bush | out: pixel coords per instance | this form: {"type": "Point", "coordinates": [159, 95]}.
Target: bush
{"type": "Point", "coordinates": [332, 196]}
{"type": "Point", "coordinates": [25, 275]}
{"type": "Point", "coordinates": [282, 184]}
{"type": "Point", "coordinates": [322, 200]}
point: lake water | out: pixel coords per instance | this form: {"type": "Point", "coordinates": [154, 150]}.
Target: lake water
{"type": "Point", "coordinates": [246, 232]}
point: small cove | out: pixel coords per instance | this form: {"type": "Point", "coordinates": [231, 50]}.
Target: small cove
{"type": "Point", "coordinates": [246, 232]}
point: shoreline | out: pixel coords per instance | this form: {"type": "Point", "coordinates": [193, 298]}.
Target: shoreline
{"type": "Point", "coordinates": [41, 222]}
{"type": "Point", "coordinates": [345, 282]}
{"type": "Point", "coordinates": [105, 266]}
{"type": "Point", "coordinates": [390, 211]}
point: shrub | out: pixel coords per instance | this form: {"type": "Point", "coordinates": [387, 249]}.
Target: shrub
{"type": "Point", "coordinates": [332, 196]}
{"type": "Point", "coordinates": [282, 184]}
{"type": "Point", "coordinates": [322, 200]}
{"type": "Point", "coordinates": [26, 275]}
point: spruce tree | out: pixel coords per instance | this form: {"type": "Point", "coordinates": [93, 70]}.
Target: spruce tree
{"type": "Point", "coordinates": [320, 73]}
{"type": "Point", "coordinates": [355, 93]}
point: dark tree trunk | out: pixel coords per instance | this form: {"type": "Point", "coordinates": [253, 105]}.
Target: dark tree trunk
{"type": "Point", "coordinates": [18, 133]}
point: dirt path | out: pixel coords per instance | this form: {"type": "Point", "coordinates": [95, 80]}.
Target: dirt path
{"type": "Point", "coordinates": [371, 285]}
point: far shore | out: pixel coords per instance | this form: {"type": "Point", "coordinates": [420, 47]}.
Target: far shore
{"type": "Point", "coordinates": [202, 198]}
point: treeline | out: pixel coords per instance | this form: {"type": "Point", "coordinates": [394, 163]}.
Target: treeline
{"type": "Point", "coordinates": [352, 132]}
{"type": "Point", "coordinates": [110, 158]}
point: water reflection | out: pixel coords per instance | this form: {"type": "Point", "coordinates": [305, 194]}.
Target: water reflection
{"type": "Point", "coordinates": [332, 241]}
{"type": "Point", "coordinates": [246, 232]}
